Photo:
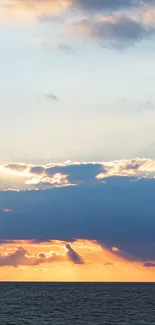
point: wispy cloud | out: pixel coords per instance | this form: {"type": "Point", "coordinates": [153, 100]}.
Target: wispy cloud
{"type": "Point", "coordinates": [6, 210]}
{"type": "Point", "coordinates": [52, 97]}
{"type": "Point", "coordinates": [149, 264]}
{"type": "Point", "coordinates": [50, 46]}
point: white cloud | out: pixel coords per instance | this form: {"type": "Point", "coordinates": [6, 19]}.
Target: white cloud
{"type": "Point", "coordinates": [28, 176]}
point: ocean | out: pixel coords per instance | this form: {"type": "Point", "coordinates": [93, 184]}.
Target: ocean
{"type": "Point", "coordinates": [77, 303]}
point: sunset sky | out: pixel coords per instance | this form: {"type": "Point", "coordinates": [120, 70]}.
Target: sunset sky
{"type": "Point", "coordinates": [77, 127]}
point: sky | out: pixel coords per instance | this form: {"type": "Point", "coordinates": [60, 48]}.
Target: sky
{"type": "Point", "coordinates": [77, 164]}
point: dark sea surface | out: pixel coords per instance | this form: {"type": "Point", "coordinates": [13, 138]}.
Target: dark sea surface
{"type": "Point", "coordinates": [77, 303]}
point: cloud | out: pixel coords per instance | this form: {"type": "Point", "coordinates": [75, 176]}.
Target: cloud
{"type": "Point", "coordinates": [111, 23]}
{"type": "Point", "coordinates": [29, 176]}
{"type": "Point", "coordinates": [118, 31]}
{"type": "Point", "coordinates": [22, 256]}
{"type": "Point", "coordinates": [89, 6]}
{"type": "Point", "coordinates": [117, 213]}
{"type": "Point", "coordinates": [65, 47]}
{"type": "Point", "coordinates": [17, 167]}
{"type": "Point", "coordinates": [149, 264]}
{"type": "Point", "coordinates": [6, 210]}
{"type": "Point", "coordinates": [50, 46]}
{"type": "Point", "coordinates": [15, 259]}
{"type": "Point", "coordinates": [58, 6]}
{"type": "Point", "coordinates": [46, 18]}
{"type": "Point", "coordinates": [115, 249]}
{"type": "Point", "coordinates": [132, 106]}
{"type": "Point", "coordinates": [52, 7]}
{"type": "Point", "coordinates": [73, 255]}
{"type": "Point", "coordinates": [148, 106]}
{"type": "Point", "coordinates": [74, 174]}
{"type": "Point", "coordinates": [52, 97]}
{"type": "Point", "coordinates": [102, 5]}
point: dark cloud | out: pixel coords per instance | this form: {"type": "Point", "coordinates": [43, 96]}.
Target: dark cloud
{"type": "Point", "coordinates": [15, 259]}
{"type": "Point", "coordinates": [109, 264]}
{"type": "Point", "coordinates": [16, 167]}
{"type": "Point", "coordinates": [73, 255]}
{"type": "Point", "coordinates": [65, 47]}
{"type": "Point", "coordinates": [5, 241]}
{"type": "Point", "coordinates": [83, 5]}
{"type": "Point", "coordinates": [52, 97]}
{"type": "Point", "coordinates": [133, 166]}
{"type": "Point", "coordinates": [103, 5]}
{"type": "Point", "coordinates": [118, 213]}
{"type": "Point", "coordinates": [149, 264]}
{"type": "Point", "coordinates": [37, 170]}
{"type": "Point", "coordinates": [118, 32]}
{"type": "Point", "coordinates": [42, 255]}
{"type": "Point", "coordinates": [79, 174]}
{"type": "Point", "coordinates": [76, 173]}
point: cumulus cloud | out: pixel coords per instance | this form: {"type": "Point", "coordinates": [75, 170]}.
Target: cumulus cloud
{"type": "Point", "coordinates": [76, 174]}
{"type": "Point", "coordinates": [15, 259]}
{"type": "Point", "coordinates": [22, 256]}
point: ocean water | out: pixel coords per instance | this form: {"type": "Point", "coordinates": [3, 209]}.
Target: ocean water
{"type": "Point", "coordinates": [76, 303]}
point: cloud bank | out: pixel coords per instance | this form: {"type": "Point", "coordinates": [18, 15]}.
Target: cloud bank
{"type": "Point", "coordinates": [111, 202]}
{"type": "Point", "coordinates": [22, 256]}
{"type": "Point", "coordinates": [27, 176]}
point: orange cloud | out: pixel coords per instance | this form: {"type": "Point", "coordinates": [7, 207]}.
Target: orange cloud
{"type": "Point", "coordinates": [49, 261]}
{"type": "Point", "coordinates": [115, 249]}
